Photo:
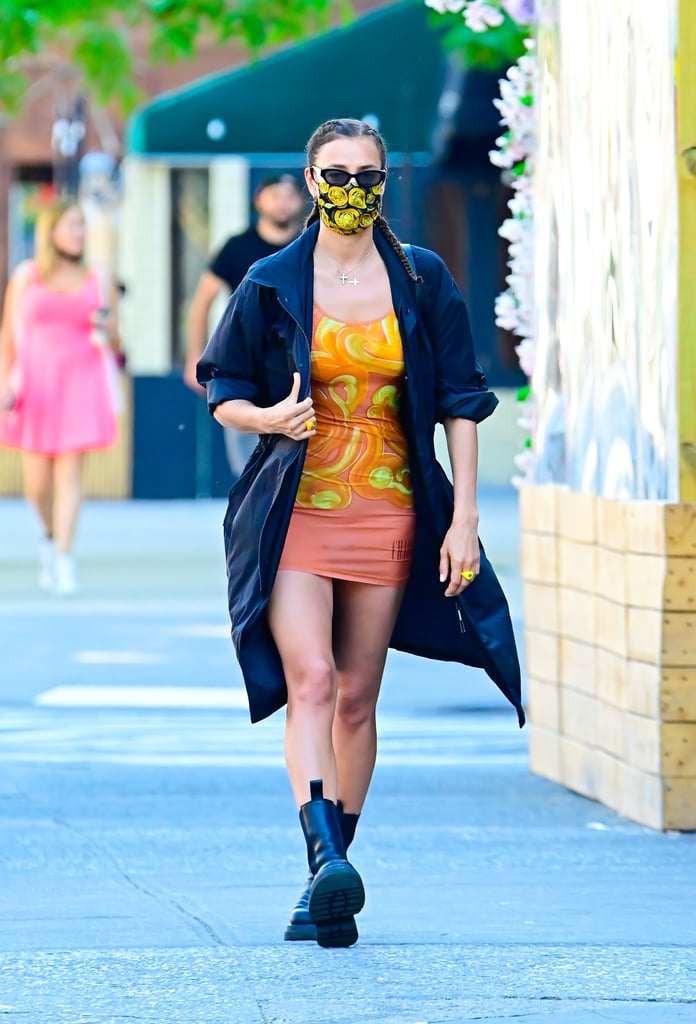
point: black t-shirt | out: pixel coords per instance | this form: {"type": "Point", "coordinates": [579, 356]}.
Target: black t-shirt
{"type": "Point", "coordinates": [231, 263]}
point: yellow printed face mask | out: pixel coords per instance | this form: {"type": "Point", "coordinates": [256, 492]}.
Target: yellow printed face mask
{"type": "Point", "coordinates": [345, 208]}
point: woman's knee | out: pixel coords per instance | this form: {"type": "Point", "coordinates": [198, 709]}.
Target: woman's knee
{"type": "Point", "coordinates": [356, 703]}
{"type": "Point", "coordinates": [312, 684]}
{"type": "Point", "coordinates": [38, 484]}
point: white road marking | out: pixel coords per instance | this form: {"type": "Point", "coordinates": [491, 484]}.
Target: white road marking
{"type": "Point", "coordinates": [155, 726]}
{"type": "Point", "coordinates": [118, 658]}
{"type": "Point", "coordinates": [192, 697]}
{"type": "Point", "coordinates": [202, 631]}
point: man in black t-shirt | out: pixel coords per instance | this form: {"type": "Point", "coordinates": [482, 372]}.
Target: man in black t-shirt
{"type": "Point", "coordinates": [279, 203]}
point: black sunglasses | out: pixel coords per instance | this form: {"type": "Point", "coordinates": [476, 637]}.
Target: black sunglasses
{"type": "Point", "coordinates": [336, 176]}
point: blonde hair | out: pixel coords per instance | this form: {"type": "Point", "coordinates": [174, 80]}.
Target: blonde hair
{"type": "Point", "coordinates": [46, 255]}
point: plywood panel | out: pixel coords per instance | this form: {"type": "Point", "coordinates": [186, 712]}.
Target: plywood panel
{"type": "Point", "coordinates": [543, 703]}
{"type": "Point", "coordinates": [544, 752]}
{"type": "Point", "coordinates": [611, 730]}
{"type": "Point", "coordinates": [611, 529]}
{"type": "Point", "coordinates": [678, 695]}
{"type": "Point", "coordinates": [679, 749]}
{"type": "Point", "coordinates": [644, 635]}
{"type": "Point", "coordinates": [645, 576]}
{"type": "Point", "coordinates": [642, 694]}
{"type": "Point", "coordinates": [541, 607]}
{"type": "Point", "coordinates": [679, 639]}
{"type": "Point", "coordinates": [640, 796]}
{"type": "Point", "coordinates": [680, 520]}
{"type": "Point", "coordinates": [680, 585]}
{"type": "Point", "coordinates": [611, 627]}
{"type": "Point", "coordinates": [539, 507]}
{"type": "Point", "coordinates": [539, 559]}
{"type": "Point", "coordinates": [608, 777]}
{"type": "Point", "coordinates": [612, 671]}
{"type": "Point", "coordinates": [645, 525]}
{"type": "Point", "coordinates": [579, 767]}
{"type": "Point", "coordinates": [580, 716]}
{"type": "Point", "coordinates": [542, 656]}
{"type": "Point", "coordinates": [578, 665]}
{"type": "Point", "coordinates": [641, 742]}
{"type": "Point", "coordinates": [577, 615]}
{"type": "Point", "coordinates": [10, 473]}
{"type": "Point", "coordinates": [610, 574]}
{"type": "Point", "coordinates": [679, 810]}
{"type": "Point", "coordinates": [576, 565]}
{"type": "Point", "coordinates": [576, 516]}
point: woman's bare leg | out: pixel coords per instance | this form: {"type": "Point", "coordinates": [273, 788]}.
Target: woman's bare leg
{"type": "Point", "coordinates": [38, 487]}
{"type": "Point", "coordinates": [300, 613]}
{"type": "Point", "coordinates": [67, 498]}
{"type": "Point", "coordinates": [363, 622]}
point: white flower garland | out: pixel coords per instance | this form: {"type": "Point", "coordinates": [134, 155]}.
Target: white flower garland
{"type": "Point", "coordinates": [514, 308]}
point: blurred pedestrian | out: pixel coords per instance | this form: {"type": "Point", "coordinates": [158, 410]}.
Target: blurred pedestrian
{"type": "Point", "coordinates": [344, 536]}
{"type": "Point", "coordinates": [57, 386]}
{"type": "Point", "coordinates": [279, 205]}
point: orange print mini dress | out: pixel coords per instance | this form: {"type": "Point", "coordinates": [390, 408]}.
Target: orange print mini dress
{"type": "Point", "coordinates": [354, 517]}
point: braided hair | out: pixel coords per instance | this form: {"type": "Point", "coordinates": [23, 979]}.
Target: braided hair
{"type": "Point", "coordinates": [349, 128]}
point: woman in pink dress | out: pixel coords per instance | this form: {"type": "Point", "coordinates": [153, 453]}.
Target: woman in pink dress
{"type": "Point", "coordinates": [56, 396]}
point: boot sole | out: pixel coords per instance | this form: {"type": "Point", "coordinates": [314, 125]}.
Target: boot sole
{"type": "Point", "coordinates": [337, 895]}
{"type": "Point", "coordinates": [337, 934]}
{"type": "Point", "coordinates": [300, 933]}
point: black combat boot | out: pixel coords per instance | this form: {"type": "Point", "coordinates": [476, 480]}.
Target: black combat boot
{"type": "Point", "coordinates": [336, 892]}
{"type": "Point", "coordinates": [301, 928]}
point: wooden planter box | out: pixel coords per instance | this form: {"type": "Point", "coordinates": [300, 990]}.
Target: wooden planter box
{"type": "Point", "coordinates": [610, 636]}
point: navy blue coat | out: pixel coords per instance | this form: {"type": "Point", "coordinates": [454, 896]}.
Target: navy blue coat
{"type": "Point", "coordinates": [262, 338]}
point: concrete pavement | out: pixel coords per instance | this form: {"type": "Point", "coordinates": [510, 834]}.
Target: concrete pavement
{"type": "Point", "coordinates": [150, 852]}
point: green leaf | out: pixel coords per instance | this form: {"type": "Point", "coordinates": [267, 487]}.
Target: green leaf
{"type": "Point", "coordinates": [95, 36]}
{"type": "Point", "coordinates": [493, 50]}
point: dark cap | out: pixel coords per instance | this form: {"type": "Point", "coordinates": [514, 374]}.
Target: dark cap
{"type": "Point", "coordinates": [277, 179]}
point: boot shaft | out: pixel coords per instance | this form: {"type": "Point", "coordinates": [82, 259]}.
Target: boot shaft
{"type": "Point", "coordinates": [349, 823]}
{"type": "Point", "coordinates": [321, 825]}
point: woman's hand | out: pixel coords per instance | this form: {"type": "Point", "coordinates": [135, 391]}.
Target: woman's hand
{"type": "Point", "coordinates": [459, 553]}
{"type": "Point", "coordinates": [292, 418]}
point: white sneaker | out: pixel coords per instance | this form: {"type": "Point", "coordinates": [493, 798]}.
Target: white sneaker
{"type": "Point", "coordinates": [65, 581]}
{"type": "Point", "coordinates": [47, 558]}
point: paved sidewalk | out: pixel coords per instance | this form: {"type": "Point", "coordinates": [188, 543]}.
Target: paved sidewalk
{"type": "Point", "coordinates": [149, 850]}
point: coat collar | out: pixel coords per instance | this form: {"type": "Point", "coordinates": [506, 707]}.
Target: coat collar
{"type": "Point", "coordinates": [284, 270]}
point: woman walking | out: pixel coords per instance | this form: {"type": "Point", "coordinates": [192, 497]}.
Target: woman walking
{"type": "Point", "coordinates": [56, 398]}
{"type": "Point", "coordinates": [343, 535]}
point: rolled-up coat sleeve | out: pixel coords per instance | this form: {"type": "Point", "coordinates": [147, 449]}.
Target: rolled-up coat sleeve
{"type": "Point", "coordinates": [460, 388]}
{"type": "Point", "coordinates": [230, 366]}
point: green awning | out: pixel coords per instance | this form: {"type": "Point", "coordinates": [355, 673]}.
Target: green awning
{"type": "Point", "coordinates": [389, 64]}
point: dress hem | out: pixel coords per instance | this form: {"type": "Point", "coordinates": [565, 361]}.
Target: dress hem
{"type": "Point", "coordinates": [333, 575]}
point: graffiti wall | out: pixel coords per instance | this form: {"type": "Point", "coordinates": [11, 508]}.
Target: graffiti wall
{"type": "Point", "coordinates": [607, 249]}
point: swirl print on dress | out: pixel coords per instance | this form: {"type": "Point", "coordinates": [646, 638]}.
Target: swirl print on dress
{"type": "Point", "coordinates": [359, 447]}
{"type": "Point", "coordinates": [354, 517]}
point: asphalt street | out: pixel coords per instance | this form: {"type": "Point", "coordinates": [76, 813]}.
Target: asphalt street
{"type": "Point", "coordinates": [150, 851]}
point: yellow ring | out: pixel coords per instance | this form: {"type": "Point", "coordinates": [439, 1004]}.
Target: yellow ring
{"type": "Point", "coordinates": [309, 424]}
{"type": "Point", "coordinates": [468, 574]}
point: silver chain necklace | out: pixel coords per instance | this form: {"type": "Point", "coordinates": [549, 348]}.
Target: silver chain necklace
{"type": "Point", "coordinates": [344, 275]}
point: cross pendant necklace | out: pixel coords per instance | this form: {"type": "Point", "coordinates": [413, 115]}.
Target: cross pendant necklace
{"type": "Point", "coordinates": [344, 275]}
{"type": "Point", "coordinates": [344, 279]}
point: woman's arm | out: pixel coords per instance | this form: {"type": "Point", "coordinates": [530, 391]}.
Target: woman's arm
{"type": "Point", "coordinates": [8, 351]}
{"type": "Point", "coordinates": [288, 417]}
{"type": "Point", "coordinates": [113, 328]}
{"type": "Point", "coordinates": [460, 549]}
{"type": "Point", "coordinates": [233, 373]}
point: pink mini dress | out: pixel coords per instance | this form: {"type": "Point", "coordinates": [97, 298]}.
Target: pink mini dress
{"type": "Point", "coordinates": [65, 400]}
